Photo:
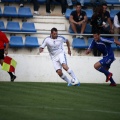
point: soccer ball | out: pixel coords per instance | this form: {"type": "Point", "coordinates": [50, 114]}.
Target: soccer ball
{"type": "Point", "coordinates": [72, 80]}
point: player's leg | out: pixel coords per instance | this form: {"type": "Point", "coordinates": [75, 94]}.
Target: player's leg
{"type": "Point", "coordinates": [98, 66]}
{"type": "Point", "coordinates": [111, 79]}
{"type": "Point", "coordinates": [63, 62]}
{"type": "Point", "coordinates": [58, 68]}
{"type": "Point", "coordinates": [12, 77]}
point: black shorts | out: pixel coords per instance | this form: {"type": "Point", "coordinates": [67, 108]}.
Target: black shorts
{"type": "Point", "coordinates": [1, 54]}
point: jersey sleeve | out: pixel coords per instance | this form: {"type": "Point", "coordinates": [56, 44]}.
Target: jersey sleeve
{"type": "Point", "coordinates": [107, 40]}
{"type": "Point", "coordinates": [44, 43]}
{"type": "Point", "coordinates": [92, 45]}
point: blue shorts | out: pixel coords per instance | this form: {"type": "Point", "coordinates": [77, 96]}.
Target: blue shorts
{"type": "Point", "coordinates": [107, 61]}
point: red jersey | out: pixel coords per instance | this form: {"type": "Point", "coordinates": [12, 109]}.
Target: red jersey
{"type": "Point", "coordinates": [3, 40]}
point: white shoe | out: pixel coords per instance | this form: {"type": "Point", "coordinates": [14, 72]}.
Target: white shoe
{"type": "Point", "coordinates": [36, 13]}
{"type": "Point", "coordinates": [48, 14]}
{"type": "Point", "coordinates": [21, 5]}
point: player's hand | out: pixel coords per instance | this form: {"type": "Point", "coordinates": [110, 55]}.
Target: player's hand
{"type": "Point", "coordinates": [40, 50]}
{"type": "Point", "coordinates": [69, 52]}
{"type": "Point", "coordinates": [6, 52]}
{"type": "Point", "coordinates": [87, 51]}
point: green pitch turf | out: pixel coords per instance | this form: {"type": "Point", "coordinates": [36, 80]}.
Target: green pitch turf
{"type": "Point", "coordinates": [56, 101]}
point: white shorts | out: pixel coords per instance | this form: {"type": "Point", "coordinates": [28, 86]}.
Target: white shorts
{"type": "Point", "coordinates": [59, 60]}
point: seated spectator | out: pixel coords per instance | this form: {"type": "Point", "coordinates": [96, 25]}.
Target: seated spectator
{"type": "Point", "coordinates": [95, 3]}
{"type": "Point", "coordinates": [78, 19]}
{"type": "Point", "coordinates": [70, 4]}
{"type": "Point", "coordinates": [117, 24]}
{"type": "Point", "coordinates": [35, 4]}
{"type": "Point", "coordinates": [99, 21]}
{"type": "Point", "coordinates": [107, 23]}
{"type": "Point", "coordinates": [63, 6]}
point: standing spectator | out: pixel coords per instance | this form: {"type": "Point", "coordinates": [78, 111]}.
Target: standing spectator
{"type": "Point", "coordinates": [35, 5]}
{"type": "Point", "coordinates": [70, 4]}
{"type": "Point", "coordinates": [63, 6]}
{"type": "Point", "coordinates": [117, 24]}
{"type": "Point", "coordinates": [95, 4]}
{"type": "Point", "coordinates": [107, 23]}
{"type": "Point", "coordinates": [54, 44]}
{"type": "Point", "coordinates": [4, 40]}
{"type": "Point", "coordinates": [78, 20]}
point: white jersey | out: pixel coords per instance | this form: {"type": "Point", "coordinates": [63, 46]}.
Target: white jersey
{"type": "Point", "coordinates": [54, 46]}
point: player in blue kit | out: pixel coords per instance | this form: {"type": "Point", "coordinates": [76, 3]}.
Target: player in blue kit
{"type": "Point", "coordinates": [104, 46]}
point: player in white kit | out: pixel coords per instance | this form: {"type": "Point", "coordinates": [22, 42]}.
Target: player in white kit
{"type": "Point", "coordinates": [54, 45]}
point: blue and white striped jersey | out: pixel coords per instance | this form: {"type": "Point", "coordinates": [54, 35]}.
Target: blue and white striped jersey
{"type": "Point", "coordinates": [104, 46]}
{"type": "Point", "coordinates": [54, 46]}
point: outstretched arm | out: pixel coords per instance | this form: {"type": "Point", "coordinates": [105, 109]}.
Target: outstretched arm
{"type": "Point", "coordinates": [88, 51]}
{"type": "Point", "coordinates": [41, 49]}
{"type": "Point", "coordinates": [68, 45]}
{"type": "Point", "coordinates": [117, 42]}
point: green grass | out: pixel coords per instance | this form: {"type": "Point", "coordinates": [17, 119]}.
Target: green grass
{"type": "Point", "coordinates": [56, 101]}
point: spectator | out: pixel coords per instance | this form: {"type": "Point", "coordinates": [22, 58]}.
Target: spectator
{"type": "Point", "coordinates": [107, 23]}
{"type": "Point", "coordinates": [70, 4]}
{"type": "Point", "coordinates": [97, 20]}
{"type": "Point", "coordinates": [94, 3]}
{"type": "Point", "coordinates": [78, 20]}
{"type": "Point", "coordinates": [117, 24]}
{"type": "Point", "coordinates": [35, 4]}
{"type": "Point", "coordinates": [63, 6]}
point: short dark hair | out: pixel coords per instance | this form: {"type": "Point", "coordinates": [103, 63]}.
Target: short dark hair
{"type": "Point", "coordinates": [78, 3]}
{"type": "Point", "coordinates": [54, 29]}
{"type": "Point", "coordinates": [104, 4]}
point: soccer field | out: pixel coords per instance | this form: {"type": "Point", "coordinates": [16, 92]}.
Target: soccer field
{"type": "Point", "coordinates": [56, 101]}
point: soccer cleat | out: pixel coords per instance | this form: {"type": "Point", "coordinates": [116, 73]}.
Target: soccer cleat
{"type": "Point", "coordinates": [108, 77]}
{"type": "Point", "coordinates": [13, 78]}
{"type": "Point", "coordinates": [113, 84]}
{"type": "Point", "coordinates": [69, 84]}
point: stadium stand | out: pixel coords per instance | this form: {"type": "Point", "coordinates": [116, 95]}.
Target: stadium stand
{"type": "Point", "coordinates": [2, 26]}
{"type": "Point", "coordinates": [25, 12]}
{"type": "Point", "coordinates": [13, 26]}
{"type": "Point", "coordinates": [1, 12]}
{"type": "Point", "coordinates": [8, 0]}
{"type": "Point", "coordinates": [16, 42]}
{"type": "Point", "coordinates": [10, 11]}
{"type": "Point", "coordinates": [113, 12]}
{"type": "Point", "coordinates": [79, 43]}
{"type": "Point", "coordinates": [113, 2]}
{"type": "Point", "coordinates": [31, 42]}
{"type": "Point", "coordinates": [28, 27]}
{"type": "Point", "coordinates": [88, 29]}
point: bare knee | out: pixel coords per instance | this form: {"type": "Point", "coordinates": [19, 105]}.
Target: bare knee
{"type": "Point", "coordinates": [97, 65]}
{"type": "Point", "coordinates": [59, 72]}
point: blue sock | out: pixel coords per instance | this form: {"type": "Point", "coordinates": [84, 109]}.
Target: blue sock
{"type": "Point", "coordinates": [112, 81]}
{"type": "Point", "coordinates": [103, 70]}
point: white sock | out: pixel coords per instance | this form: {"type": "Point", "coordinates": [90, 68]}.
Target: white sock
{"type": "Point", "coordinates": [71, 73]}
{"type": "Point", "coordinates": [64, 77]}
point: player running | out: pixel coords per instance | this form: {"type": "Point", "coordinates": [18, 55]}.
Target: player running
{"type": "Point", "coordinates": [54, 45]}
{"type": "Point", "coordinates": [104, 46]}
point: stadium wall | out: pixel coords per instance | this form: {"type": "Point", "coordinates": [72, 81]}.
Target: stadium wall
{"type": "Point", "coordinates": [39, 68]}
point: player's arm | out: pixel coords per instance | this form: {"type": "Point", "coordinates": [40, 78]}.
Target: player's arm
{"type": "Point", "coordinates": [91, 46]}
{"type": "Point", "coordinates": [42, 46]}
{"type": "Point", "coordinates": [6, 48]}
{"type": "Point", "coordinates": [68, 46]}
{"type": "Point", "coordinates": [117, 42]}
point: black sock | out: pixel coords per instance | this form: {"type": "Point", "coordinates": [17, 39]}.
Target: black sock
{"type": "Point", "coordinates": [10, 73]}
